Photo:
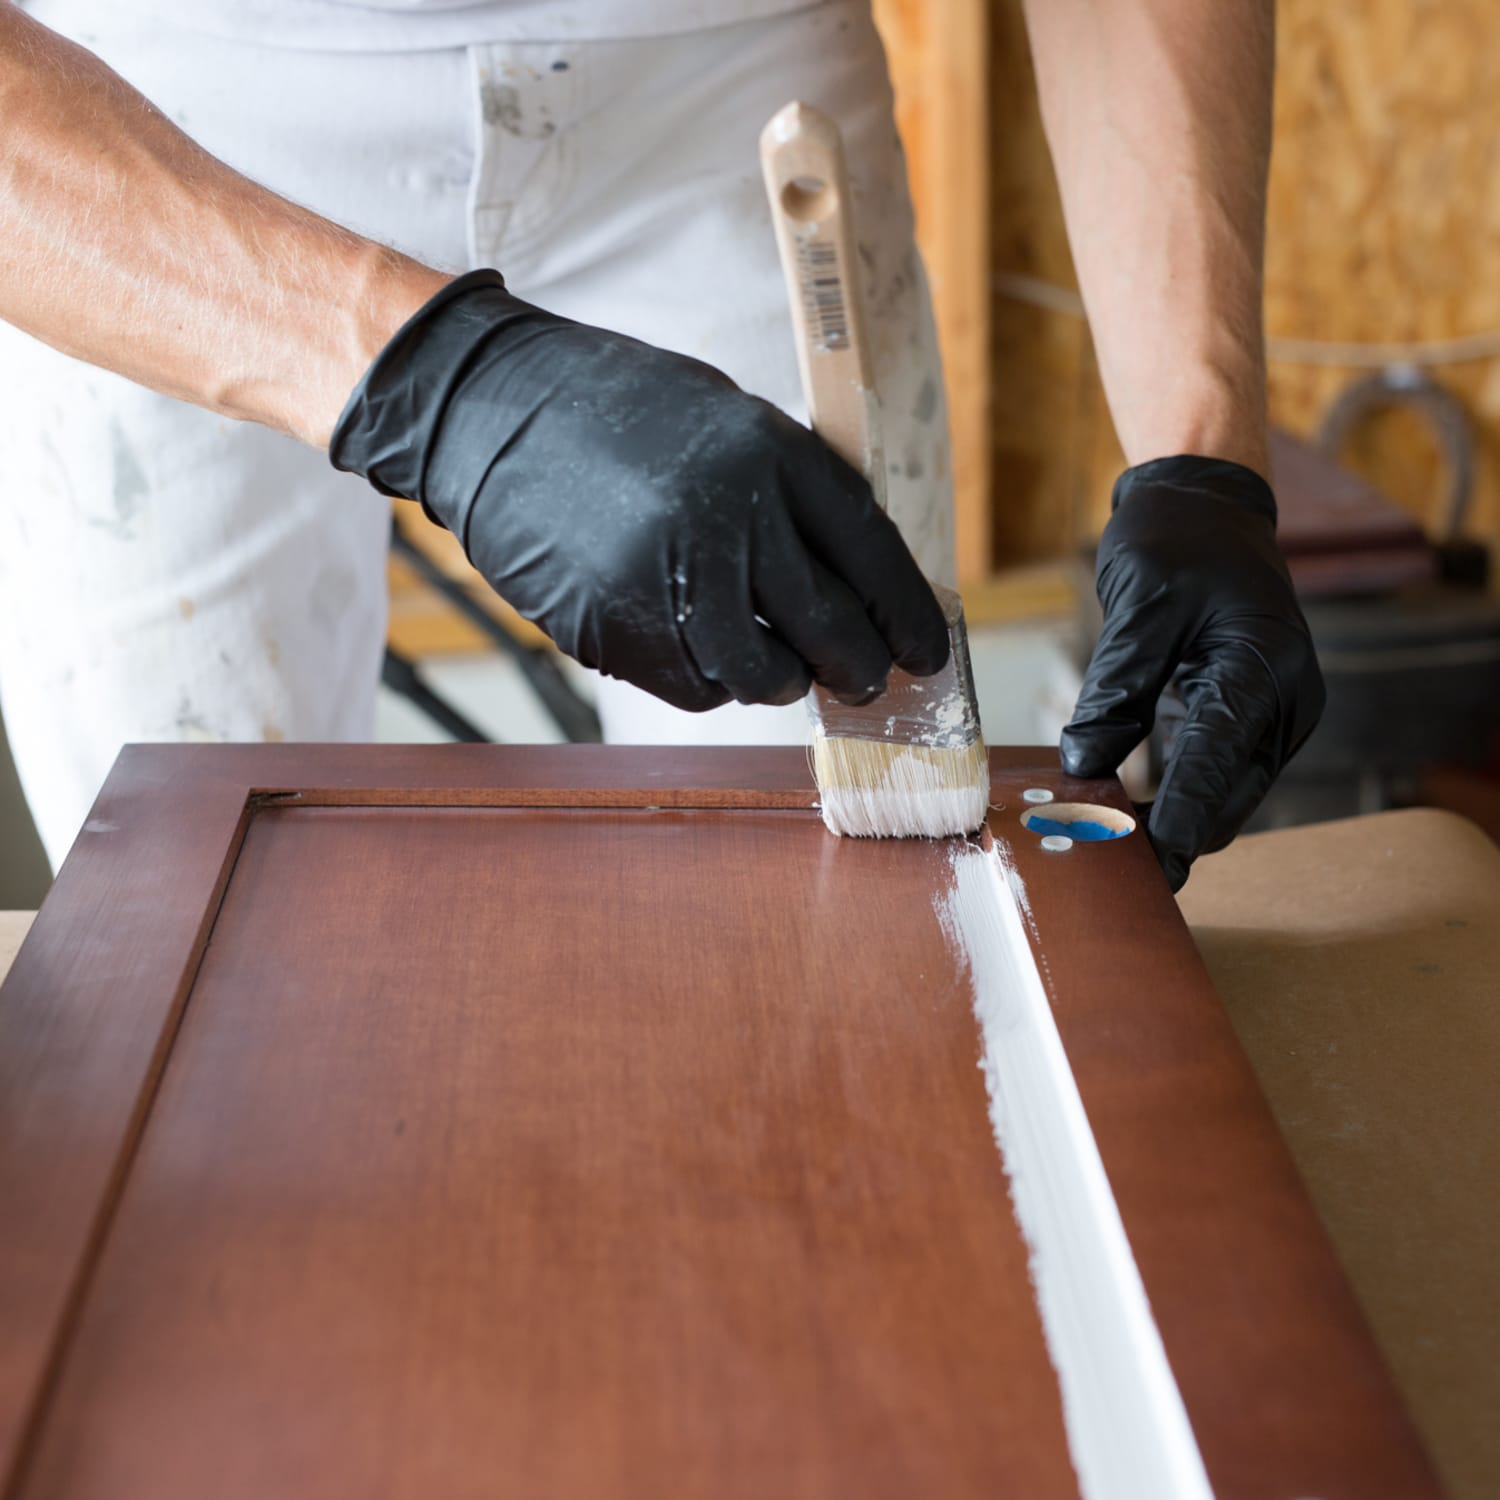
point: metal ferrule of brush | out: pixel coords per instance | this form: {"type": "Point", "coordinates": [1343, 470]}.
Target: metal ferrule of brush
{"type": "Point", "coordinates": [939, 712]}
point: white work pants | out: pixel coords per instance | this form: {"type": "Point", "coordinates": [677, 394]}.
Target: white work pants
{"type": "Point", "coordinates": [167, 574]}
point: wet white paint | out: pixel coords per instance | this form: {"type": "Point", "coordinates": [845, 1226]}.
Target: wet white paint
{"type": "Point", "coordinates": [1128, 1430]}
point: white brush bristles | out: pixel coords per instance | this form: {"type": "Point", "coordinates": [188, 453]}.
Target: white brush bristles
{"type": "Point", "coordinates": [882, 789]}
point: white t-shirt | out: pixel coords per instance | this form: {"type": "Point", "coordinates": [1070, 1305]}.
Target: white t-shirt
{"type": "Point", "coordinates": [401, 25]}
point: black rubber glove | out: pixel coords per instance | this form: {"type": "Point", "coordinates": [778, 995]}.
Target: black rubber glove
{"type": "Point", "coordinates": [655, 520]}
{"type": "Point", "coordinates": [1191, 578]}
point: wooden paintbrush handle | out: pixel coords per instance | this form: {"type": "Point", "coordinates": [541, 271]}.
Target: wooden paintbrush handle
{"type": "Point", "coordinates": [802, 158]}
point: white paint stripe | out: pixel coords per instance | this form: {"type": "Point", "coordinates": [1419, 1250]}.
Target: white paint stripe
{"type": "Point", "coordinates": [1128, 1430]}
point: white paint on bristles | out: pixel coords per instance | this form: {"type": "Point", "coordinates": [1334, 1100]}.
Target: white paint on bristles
{"type": "Point", "coordinates": [1128, 1431]}
{"type": "Point", "coordinates": [878, 789]}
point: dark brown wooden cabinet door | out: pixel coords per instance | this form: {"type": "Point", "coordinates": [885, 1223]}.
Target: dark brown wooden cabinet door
{"type": "Point", "coordinates": [472, 1122]}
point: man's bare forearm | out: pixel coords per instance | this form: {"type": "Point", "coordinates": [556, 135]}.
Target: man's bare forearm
{"type": "Point", "coordinates": [126, 245]}
{"type": "Point", "coordinates": [1158, 113]}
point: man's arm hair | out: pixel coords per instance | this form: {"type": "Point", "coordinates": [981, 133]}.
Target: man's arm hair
{"type": "Point", "coordinates": [126, 245]}
{"type": "Point", "coordinates": [1158, 114]}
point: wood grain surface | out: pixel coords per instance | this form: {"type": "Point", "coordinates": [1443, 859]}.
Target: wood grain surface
{"type": "Point", "coordinates": [90, 1008]}
{"type": "Point", "coordinates": [1260, 1327]}
{"type": "Point", "coordinates": [610, 1150]}
{"type": "Point", "coordinates": [87, 1015]}
{"type": "Point", "coordinates": [640, 1186]}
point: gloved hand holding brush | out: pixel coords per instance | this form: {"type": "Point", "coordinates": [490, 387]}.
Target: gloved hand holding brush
{"type": "Point", "coordinates": [1193, 583]}
{"type": "Point", "coordinates": [658, 522]}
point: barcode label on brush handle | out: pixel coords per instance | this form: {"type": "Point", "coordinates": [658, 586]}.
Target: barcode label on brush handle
{"type": "Point", "coordinates": [823, 295]}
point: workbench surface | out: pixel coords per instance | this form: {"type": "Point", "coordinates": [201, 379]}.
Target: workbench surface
{"type": "Point", "coordinates": [13, 926]}
{"type": "Point", "coordinates": [1358, 962]}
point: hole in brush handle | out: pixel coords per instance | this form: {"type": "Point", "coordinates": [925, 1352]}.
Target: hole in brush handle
{"type": "Point", "coordinates": [808, 199]}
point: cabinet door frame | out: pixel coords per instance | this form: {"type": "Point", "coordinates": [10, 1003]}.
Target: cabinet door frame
{"type": "Point", "coordinates": [1277, 1369]}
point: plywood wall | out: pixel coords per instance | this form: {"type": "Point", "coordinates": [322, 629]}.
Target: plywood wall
{"type": "Point", "coordinates": [1384, 229]}
{"type": "Point", "coordinates": [1385, 216]}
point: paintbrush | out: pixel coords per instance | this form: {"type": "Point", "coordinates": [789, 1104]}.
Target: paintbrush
{"type": "Point", "coordinates": [912, 761]}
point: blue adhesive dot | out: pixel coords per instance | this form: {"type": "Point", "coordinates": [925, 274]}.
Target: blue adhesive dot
{"type": "Point", "coordinates": [1082, 831]}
